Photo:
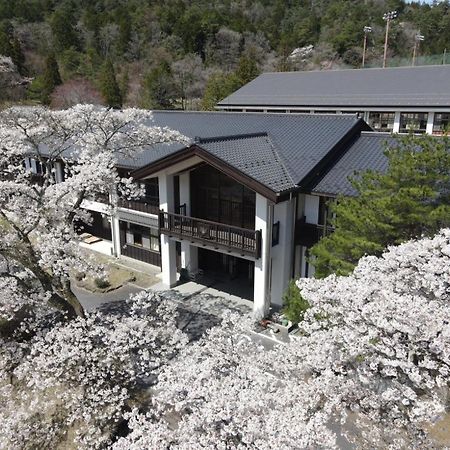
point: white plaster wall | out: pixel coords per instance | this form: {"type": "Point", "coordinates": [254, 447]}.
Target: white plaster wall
{"type": "Point", "coordinates": [282, 253]}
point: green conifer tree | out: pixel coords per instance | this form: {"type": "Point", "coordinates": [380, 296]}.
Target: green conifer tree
{"type": "Point", "coordinates": [410, 200]}
{"type": "Point", "coordinates": [247, 69]}
{"type": "Point", "coordinates": [109, 87]}
{"type": "Point", "coordinates": [50, 79]}
{"type": "Point", "coordinates": [159, 88]}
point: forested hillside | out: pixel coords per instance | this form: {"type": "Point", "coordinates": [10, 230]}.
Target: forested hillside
{"type": "Point", "coordinates": [191, 53]}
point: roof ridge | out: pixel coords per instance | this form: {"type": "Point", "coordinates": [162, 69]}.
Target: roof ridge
{"type": "Point", "coordinates": [348, 69]}
{"type": "Point", "coordinates": [200, 140]}
{"type": "Point", "coordinates": [280, 160]}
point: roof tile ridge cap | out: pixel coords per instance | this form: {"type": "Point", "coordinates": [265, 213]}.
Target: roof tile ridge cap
{"type": "Point", "coordinates": [201, 140]}
{"type": "Point", "coordinates": [279, 159]}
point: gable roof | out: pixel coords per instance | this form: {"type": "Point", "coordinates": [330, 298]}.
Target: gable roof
{"type": "Point", "coordinates": [276, 150]}
{"type": "Point", "coordinates": [422, 86]}
{"type": "Point", "coordinates": [254, 155]}
{"type": "Point", "coordinates": [366, 153]}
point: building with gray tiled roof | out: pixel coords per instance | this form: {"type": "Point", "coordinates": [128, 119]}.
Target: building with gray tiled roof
{"type": "Point", "coordinates": [400, 99]}
{"type": "Point", "coordinates": [246, 197]}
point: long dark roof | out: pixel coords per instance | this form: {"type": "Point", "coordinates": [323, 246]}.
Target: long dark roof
{"type": "Point", "coordinates": [281, 151]}
{"type": "Point", "coordinates": [367, 153]}
{"type": "Point", "coordinates": [423, 86]}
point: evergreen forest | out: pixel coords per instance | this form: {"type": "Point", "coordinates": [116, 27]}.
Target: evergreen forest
{"type": "Point", "coordinates": [188, 54]}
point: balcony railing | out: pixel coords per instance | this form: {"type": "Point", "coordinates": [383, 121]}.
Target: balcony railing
{"type": "Point", "coordinates": [142, 205]}
{"type": "Point", "coordinates": [308, 234]}
{"type": "Point", "coordinates": [217, 235]}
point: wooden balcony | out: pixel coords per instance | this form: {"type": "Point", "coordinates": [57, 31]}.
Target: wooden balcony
{"type": "Point", "coordinates": [142, 205]}
{"type": "Point", "coordinates": [218, 235]}
{"type": "Point", "coordinates": [308, 234]}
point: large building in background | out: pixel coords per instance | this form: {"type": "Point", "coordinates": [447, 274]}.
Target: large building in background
{"type": "Point", "coordinates": [398, 100]}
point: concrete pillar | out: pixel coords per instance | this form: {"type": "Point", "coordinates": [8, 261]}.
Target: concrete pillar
{"type": "Point", "coordinates": [189, 253]}
{"type": "Point", "coordinates": [59, 172]}
{"type": "Point", "coordinates": [168, 249]}
{"type": "Point", "coordinates": [366, 116]}
{"type": "Point", "coordinates": [263, 222]}
{"type": "Point", "coordinates": [115, 236]}
{"type": "Point", "coordinates": [396, 128]}
{"type": "Point", "coordinates": [33, 165]}
{"type": "Point", "coordinates": [430, 123]}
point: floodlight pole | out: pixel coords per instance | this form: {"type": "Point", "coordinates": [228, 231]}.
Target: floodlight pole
{"type": "Point", "coordinates": [417, 38]}
{"type": "Point", "coordinates": [367, 30]}
{"type": "Point", "coordinates": [387, 17]}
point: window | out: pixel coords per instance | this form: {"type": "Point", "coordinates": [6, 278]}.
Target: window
{"type": "Point", "coordinates": [145, 237]}
{"type": "Point", "coordinates": [441, 123]}
{"type": "Point", "coordinates": [413, 122]}
{"type": "Point", "coordinates": [382, 121]}
{"type": "Point", "coordinates": [325, 214]}
{"type": "Point", "coordinates": [154, 240]}
{"type": "Point", "coordinates": [151, 190]}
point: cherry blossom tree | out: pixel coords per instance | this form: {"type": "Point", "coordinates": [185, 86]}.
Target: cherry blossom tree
{"type": "Point", "coordinates": [72, 382]}
{"type": "Point", "coordinates": [38, 242]}
{"type": "Point", "coordinates": [370, 367]}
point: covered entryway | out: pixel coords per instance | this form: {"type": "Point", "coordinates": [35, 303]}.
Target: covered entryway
{"type": "Point", "coordinates": [228, 273]}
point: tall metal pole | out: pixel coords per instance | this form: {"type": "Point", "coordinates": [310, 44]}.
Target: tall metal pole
{"type": "Point", "coordinates": [391, 15]}
{"type": "Point", "coordinates": [367, 30]}
{"type": "Point", "coordinates": [414, 53]}
{"type": "Point", "coordinates": [417, 38]}
{"type": "Point", "coordinates": [386, 43]}
{"type": "Point", "coordinates": [364, 50]}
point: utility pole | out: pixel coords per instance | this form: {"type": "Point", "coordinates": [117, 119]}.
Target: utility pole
{"type": "Point", "coordinates": [367, 30]}
{"type": "Point", "coordinates": [417, 38]}
{"type": "Point", "coordinates": [391, 15]}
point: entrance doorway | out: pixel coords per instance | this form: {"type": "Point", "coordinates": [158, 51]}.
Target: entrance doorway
{"type": "Point", "coordinates": [233, 275]}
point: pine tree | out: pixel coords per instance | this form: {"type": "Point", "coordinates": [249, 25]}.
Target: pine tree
{"type": "Point", "coordinates": [412, 199]}
{"type": "Point", "coordinates": [247, 69]}
{"type": "Point", "coordinates": [109, 87]}
{"type": "Point", "coordinates": [50, 79]}
{"type": "Point", "coordinates": [159, 88]}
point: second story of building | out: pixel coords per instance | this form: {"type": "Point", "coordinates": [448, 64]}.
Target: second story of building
{"type": "Point", "coordinates": [398, 100]}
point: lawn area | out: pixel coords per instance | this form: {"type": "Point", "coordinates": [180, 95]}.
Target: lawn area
{"type": "Point", "coordinates": [117, 276]}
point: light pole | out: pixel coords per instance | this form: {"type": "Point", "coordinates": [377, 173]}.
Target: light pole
{"type": "Point", "coordinates": [417, 38]}
{"type": "Point", "coordinates": [391, 15]}
{"type": "Point", "coordinates": [367, 30]}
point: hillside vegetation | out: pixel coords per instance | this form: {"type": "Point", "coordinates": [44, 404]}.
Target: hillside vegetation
{"type": "Point", "coordinates": [188, 54]}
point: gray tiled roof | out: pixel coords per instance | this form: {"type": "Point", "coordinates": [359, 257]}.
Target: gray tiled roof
{"type": "Point", "coordinates": [254, 155]}
{"type": "Point", "coordinates": [298, 141]}
{"type": "Point", "coordinates": [367, 153]}
{"type": "Point", "coordinates": [423, 86]}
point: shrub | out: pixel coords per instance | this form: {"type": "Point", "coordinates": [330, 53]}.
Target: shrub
{"type": "Point", "coordinates": [295, 305]}
{"type": "Point", "coordinates": [102, 283]}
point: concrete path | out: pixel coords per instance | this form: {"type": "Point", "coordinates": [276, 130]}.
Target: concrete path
{"type": "Point", "coordinates": [91, 301]}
